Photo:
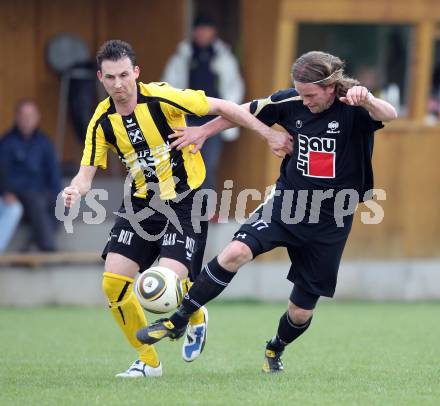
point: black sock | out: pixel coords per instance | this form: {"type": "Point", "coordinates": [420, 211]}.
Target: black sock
{"type": "Point", "coordinates": [287, 332]}
{"type": "Point", "coordinates": [209, 284]}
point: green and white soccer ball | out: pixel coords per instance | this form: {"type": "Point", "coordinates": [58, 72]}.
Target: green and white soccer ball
{"type": "Point", "coordinates": [159, 290]}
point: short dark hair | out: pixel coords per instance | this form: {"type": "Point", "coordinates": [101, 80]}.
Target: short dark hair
{"type": "Point", "coordinates": [203, 20]}
{"type": "Point", "coordinates": [114, 50]}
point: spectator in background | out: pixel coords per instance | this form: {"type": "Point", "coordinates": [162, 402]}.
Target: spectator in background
{"type": "Point", "coordinates": [10, 214]}
{"type": "Point", "coordinates": [31, 173]}
{"type": "Point", "coordinates": [207, 63]}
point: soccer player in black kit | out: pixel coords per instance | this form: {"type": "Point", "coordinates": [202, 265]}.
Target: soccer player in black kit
{"type": "Point", "coordinates": [332, 119]}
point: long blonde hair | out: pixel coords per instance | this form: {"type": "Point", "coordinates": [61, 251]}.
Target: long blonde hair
{"type": "Point", "coordinates": [322, 69]}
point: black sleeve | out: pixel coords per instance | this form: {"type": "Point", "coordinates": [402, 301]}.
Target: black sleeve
{"type": "Point", "coordinates": [365, 123]}
{"type": "Point", "coordinates": [271, 109]}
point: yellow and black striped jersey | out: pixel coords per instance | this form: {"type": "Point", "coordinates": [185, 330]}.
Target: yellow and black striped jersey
{"type": "Point", "coordinates": [141, 139]}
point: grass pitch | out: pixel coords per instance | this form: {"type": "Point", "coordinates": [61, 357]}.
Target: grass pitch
{"type": "Point", "coordinates": [354, 353]}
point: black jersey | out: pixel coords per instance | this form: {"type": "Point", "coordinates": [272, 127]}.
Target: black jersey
{"type": "Point", "coordinates": [332, 149]}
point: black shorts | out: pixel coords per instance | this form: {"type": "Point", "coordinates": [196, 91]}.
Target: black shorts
{"type": "Point", "coordinates": [303, 299]}
{"type": "Point", "coordinates": [315, 249]}
{"type": "Point", "coordinates": [160, 235]}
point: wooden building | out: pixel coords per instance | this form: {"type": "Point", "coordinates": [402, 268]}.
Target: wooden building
{"type": "Point", "coordinates": [406, 151]}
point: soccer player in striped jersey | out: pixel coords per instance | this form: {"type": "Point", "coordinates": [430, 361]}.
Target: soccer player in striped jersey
{"type": "Point", "coordinates": [332, 119]}
{"type": "Point", "coordinates": [135, 122]}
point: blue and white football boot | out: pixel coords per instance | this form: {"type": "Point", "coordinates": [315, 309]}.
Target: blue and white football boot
{"type": "Point", "coordinates": [195, 338]}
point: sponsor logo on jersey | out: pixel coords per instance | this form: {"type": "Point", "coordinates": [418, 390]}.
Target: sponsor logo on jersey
{"type": "Point", "coordinates": [135, 136]}
{"type": "Point", "coordinates": [129, 123]}
{"type": "Point", "coordinates": [316, 156]}
{"type": "Point", "coordinates": [333, 127]}
{"type": "Point", "coordinates": [153, 162]}
{"type": "Point", "coordinates": [133, 130]}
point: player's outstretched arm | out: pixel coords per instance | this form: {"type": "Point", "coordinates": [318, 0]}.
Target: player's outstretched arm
{"type": "Point", "coordinates": [79, 185]}
{"type": "Point", "coordinates": [279, 142]}
{"type": "Point", "coordinates": [379, 109]}
{"type": "Point", "coordinates": [197, 136]}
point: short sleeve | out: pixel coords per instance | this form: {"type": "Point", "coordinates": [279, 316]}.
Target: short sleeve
{"type": "Point", "coordinates": [365, 123]}
{"type": "Point", "coordinates": [271, 109]}
{"type": "Point", "coordinates": [96, 146]}
{"type": "Point", "coordinates": [178, 101]}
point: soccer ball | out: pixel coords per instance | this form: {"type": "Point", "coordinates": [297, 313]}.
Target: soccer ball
{"type": "Point", "coordinates": [158, 290]}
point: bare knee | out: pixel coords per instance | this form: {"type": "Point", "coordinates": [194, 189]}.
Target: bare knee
{"type": "Point", "coordinates": [176, 266]}
{"type": "Point", "coordinates": [120, 265]}
{"type": "Point", "coordinates": [297, 314]}
{"type": "Point", "coordinates": [235, 255]}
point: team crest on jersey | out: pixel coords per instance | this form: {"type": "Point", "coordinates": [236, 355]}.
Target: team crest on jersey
{"type": "Point", "coordinates": [298, 123]}
{"type": "Point", "coordinates": [316, 156]}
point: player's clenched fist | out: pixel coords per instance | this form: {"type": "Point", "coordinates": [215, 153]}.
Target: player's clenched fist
{"type": "Point", "coordinates": [70, 195]}
{"type": "Point", "coordinates": [357, 96]}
